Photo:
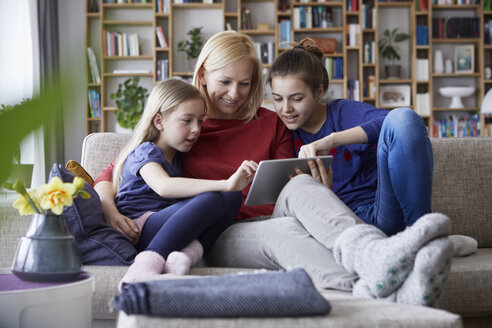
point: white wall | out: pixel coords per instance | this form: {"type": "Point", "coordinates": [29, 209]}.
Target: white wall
{"type": "Point", "coordinates": [71, 26]}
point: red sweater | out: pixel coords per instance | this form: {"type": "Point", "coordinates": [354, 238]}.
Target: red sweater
{"type": "Point", "coordinates": [224, 144]}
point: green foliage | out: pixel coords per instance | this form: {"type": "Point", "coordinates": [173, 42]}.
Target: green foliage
{"type": "Point", "coordinates": [8, 108]}
{"type": "Point", "coordinates": [193, 46]}
{"type": "Point", "coordinates": [387, 44]}
{"type": "Point", "coordinates": [19, 120]}
{"type": "Point", "coordinates": [130, 102]}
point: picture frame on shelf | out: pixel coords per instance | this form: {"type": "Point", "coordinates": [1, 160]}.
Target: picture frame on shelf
{"type": "Point", "coordinates": [464, 59]}
{"type": "Point", "coordinates": [395, 95]}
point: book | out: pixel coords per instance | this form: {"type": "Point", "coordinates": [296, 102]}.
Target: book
{"type": "Point", "coordinates": [96, 78]}
{"type": "Point", "coordinates": [161, 37]}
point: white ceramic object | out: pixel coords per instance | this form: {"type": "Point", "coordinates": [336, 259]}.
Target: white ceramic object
{"type": "Point", "coordinates": [438, 62]}
{"type": "Point", "coordinates": [449, 66]}
{"type": "Point", "coordinates": [456, 93]}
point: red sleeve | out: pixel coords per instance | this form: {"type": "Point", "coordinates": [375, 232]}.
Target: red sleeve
{"type": "Point", "coordinates": [284, 142]}
{"type": "Point", "coordinates": [106, 174]}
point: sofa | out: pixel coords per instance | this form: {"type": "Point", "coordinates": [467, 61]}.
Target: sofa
{"type": "Point", "coordinates": [462, 189]}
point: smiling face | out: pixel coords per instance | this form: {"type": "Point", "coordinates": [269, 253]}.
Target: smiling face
{"type": "Point", "coordinates": [180, 128]}
{"type": "Point", "coordinates": [228, 88]}
{"type": "Point", "coordinates": [296, 105]}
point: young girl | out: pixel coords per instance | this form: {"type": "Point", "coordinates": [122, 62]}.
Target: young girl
{"type": "Point", "coordinates": [172, 212]}
{"type": "Point", "coordinates": [383, 160]}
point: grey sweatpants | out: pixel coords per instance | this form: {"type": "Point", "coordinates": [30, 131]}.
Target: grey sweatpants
{"type": "Point", "coordinates": [307, 219]}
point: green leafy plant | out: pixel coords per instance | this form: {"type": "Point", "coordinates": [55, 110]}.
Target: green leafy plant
{"type": "Point", "coordinates": [193, 46]}
{"type": "Point", "coordinates": [9, 108]}
{"type": "Point", "coordinates": [130, 101]}
{"type": "Point", "coordinates": [388, 44]}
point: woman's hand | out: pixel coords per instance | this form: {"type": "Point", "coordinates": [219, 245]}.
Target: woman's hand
{"type": "Point", "coordinates": [242, 177]}
{"type": "Point", "coordinates": [124, 225]}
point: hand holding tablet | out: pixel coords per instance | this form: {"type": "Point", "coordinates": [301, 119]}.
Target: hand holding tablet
{"type": "Point", "coordinates": [272, 175]}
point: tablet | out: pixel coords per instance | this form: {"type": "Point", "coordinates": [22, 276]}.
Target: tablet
{"type": "Point", "coordinates": [272, 175]}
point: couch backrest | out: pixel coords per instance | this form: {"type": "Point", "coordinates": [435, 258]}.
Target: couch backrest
{"type": "Point", "coordinates": [100, 149]}
{"type": "Point", "coordinates": [462, 186]}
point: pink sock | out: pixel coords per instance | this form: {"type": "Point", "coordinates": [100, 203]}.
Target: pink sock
{"type": "Point", "coordinates": [147, 263]}
{"type": "Point", "coordinates": [180, 262]}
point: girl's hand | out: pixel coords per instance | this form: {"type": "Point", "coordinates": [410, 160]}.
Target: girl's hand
{"type": "Point", "coordinates": [242, 177]}
{"type": "Point", "coordinates": [319, 172]}
{"type": "Point", "coordinates": [316, 148]}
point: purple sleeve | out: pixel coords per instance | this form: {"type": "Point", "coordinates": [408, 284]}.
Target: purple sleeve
{"type": "Point", "coordinates": [145, 153]}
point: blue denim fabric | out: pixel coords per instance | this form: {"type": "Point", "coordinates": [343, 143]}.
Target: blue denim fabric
{"type": "Point", "coordinates": [405, 169]}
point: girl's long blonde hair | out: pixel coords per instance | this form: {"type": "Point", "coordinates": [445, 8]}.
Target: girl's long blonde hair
{"type": "Point", "coordinates": [221, 50]}
{"type": "Point", "coordinates": [163, 99]}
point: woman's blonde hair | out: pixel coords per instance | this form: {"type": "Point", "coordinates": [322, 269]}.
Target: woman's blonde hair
{"type": "Point", "coordinates": [163, 99]}
{"type": "Point", "coordinates": [221, 50]}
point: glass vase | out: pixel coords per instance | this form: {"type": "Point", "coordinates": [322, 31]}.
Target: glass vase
{"type": "Point", "coordinates": [48, 252]}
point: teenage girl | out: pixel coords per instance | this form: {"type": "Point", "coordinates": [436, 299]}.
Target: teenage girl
{"type": "Point", "coordinates": [172, 212]}
{"type": "Point", "coordinates": [383, 161]}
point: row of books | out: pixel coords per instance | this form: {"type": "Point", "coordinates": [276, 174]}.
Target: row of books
{"type": "Point", "coordinates": [94, 103]}
{"type": "Point", "coordinates": [162, 69]}
{"type": "Point", "coordinates": [284, 27]}
{"type": "Point", "coordinates": [334, 66]}
{"type": "Point", "coordinates": [422, 5]}
{"type": "Point", "coordinates": [120, 44]}
{"type": "Point", "coordinates": [422, 35]}
{"type": "Point", "coordinates": [265, 51]}
{"type": "Point", "coordinates": [455, 2]}
{"type": "Point", "coordinates": [422, 69]}
{"type": "Point", "coordinates": [246, 23]}
{"type": "Point", "coordinates": [352, 5]}
{"type": "Point", "coordinates": [422, 104]}
{"type": "Point", "coordinates": [93, 68]}
{"type": "Point", "coordinates": [368, 16]}
{"type": "Point", "coordinates": [193, 1]}
{"type": "Point", "coordinates": [456, 27]}
{"type": "Point", "coordinates": [487, 38]}
{"type": "Point", "coordinates": [457, 126]}
{"type": "Point", "coordinates": [370, 52]}
{"type": "Point", "coordinates": [312, 17]}
{"type": "Point", "coordinates": [353, 89]}
{"type": "Point", "coordinates": [487, 5]}
{"type": "Point", "coordinates": [161, 37]}
{"type": "Point", "coordinates": [127, 1]}
{"type": "Point", "coordinates": [353, 35]}
{"type": "Point", "coordinates": [163, 6]}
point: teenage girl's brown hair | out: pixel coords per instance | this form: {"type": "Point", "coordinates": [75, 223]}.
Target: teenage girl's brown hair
{"type": "Point", "coordinates": [305, 61]}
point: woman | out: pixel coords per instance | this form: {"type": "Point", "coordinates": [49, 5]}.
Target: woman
{"type": "Point", "coordinates": [228, 74]}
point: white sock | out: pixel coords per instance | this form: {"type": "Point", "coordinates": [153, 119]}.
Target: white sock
{"type": "Point", "coordinates": [146, 264]}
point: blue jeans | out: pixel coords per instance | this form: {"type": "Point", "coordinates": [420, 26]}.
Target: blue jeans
{"type": "Point", "coordinates": [405, 169]}
{"type": "Point", "coordinates": [203, 217]}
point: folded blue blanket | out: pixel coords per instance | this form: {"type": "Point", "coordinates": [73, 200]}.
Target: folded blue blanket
{"type": "Point", "coordinates": [266, 294]}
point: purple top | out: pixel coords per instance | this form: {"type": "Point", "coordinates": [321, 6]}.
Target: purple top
{"type": "Point", "coordinates": [10, 282]}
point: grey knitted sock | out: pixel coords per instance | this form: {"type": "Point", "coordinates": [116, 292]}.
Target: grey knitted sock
{"type": "Point", "coordinates": [146, 264]}
{"type": "Point", "coordinates": [430, 271]}
{"type": "Point", "coordinates": [423, 285]}
{"type": "Point", "coordinates": [383, 263]}
{"type": "Point", "coordinates": [180, 262]}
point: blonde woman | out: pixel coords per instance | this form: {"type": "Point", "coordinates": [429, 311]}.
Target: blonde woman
{"type": "Point", "coordinates": [172, 212]}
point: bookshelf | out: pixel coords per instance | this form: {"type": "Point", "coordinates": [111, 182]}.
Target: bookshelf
{"type": "Point", "coordinates": [356, 69]}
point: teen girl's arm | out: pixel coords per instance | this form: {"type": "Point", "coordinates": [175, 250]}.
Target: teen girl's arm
{"type": "Point", "coordinates": [176, 187]}
{"type": "Point", "coordinates": [104, 188]}
{"type": "Point", "coordinates": [355, 135]}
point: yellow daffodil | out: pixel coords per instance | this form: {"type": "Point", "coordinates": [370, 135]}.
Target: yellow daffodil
{"type": "Point", "coordinates": [22, 203]}
{"type": "Point", "coordinates": [56, 195]}
{"type": "Point", "coordinates": [48, 198]}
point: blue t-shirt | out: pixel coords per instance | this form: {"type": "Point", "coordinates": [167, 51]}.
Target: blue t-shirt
{"type": "Point", "coordinates": [134, 196]}
{"type": "Point", "coordinates": [354, 166]}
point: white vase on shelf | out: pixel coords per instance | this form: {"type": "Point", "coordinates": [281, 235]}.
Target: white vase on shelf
{"type": "Point", "coordinates": [438, 62]}
{"type": "Point", "coordinates": [449, 66]}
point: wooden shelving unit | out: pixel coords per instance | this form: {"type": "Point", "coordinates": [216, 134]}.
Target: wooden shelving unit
{"type": "Point", "coordinates": [357, 66]}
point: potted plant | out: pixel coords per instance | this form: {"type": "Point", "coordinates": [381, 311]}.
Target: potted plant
{"type": "Point", "coordinates": [193, 46]}
{"type": "Point", "coordinates": [18, 170]}
{"type": "Point", "coordinates": [130, 101]}
{"type": "Point", "coordinates": [390, 51]}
